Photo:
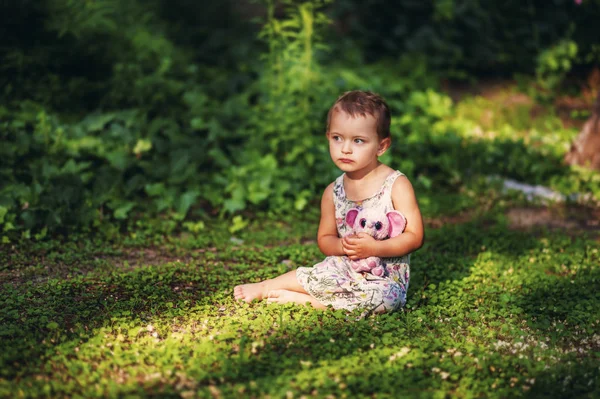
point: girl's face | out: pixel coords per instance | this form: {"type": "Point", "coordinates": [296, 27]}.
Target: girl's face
{"type": "Point", "coordinates": [353, 142]}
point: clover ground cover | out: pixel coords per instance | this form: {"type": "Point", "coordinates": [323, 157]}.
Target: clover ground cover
{"type": "Point", "coordinates": [492, 312]}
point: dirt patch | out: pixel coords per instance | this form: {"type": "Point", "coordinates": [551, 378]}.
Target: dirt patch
{"type": "Point", "coordinates": [37, 267]}
{"type": "Point", "coordinates": [571, 220]}
{"type": "Point", "coordinates": [436, 223]}
{"type": "Point", "coordinates": [155, 256]}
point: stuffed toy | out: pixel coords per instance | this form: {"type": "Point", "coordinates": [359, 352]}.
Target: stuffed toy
{"type": "Point", "coordinates": [378, 225]}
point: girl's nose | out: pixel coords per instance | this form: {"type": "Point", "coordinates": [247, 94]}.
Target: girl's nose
{"type": "Point", "coordinates": [346, 148]}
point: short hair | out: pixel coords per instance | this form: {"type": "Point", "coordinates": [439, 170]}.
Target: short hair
{"type": "Point", "coordinates": [362, 103]}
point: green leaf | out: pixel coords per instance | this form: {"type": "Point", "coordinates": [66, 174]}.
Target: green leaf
{"type": "Point", "coordinates": [142, 146]}
{"type": "Point", "coordinates": [52, 325]}
{"type": "Point", "coordinates": [300, 203]}
{"type": "Point", "coordinates": [237, 201]}
{"type": "Point", "coordinates": [155, 190]}
{"type": "Point", "coordinates": [233, 205]}
{"type": "Point", "coordinates": [122, 211]}
{"type": "Point", "coordinates": [3, 212]}
{"type": "Point", "coordinates": [117, 159]}
{"type": "Point", "coordinates": [238, 223]}
{"type": "Point", "coordinates": [187, 200]}
{"type": "Point", "coordinates": [198, 123]}
{"type": "Point", "coordinates": [98, 122]}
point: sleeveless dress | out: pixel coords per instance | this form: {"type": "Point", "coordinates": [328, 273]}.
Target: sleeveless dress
{"type": "Point", "coordinates": [334, 282]}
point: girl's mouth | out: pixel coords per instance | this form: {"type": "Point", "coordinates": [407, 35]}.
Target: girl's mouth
{"type": "Point", "coordinates": [345, 160]}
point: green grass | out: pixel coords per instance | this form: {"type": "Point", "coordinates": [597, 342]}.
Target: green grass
{"type": "Point", "coordinates": [492, 312]}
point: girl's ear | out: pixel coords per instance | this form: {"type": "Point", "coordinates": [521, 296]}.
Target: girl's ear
{"type": "Point", "coordinates": [384, 145]}
{"type": "Point", "coordinates": [397, 223]}
{"type": "Point", "coordinates": [351, 216]}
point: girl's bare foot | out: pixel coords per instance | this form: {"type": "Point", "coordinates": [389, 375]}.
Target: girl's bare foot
{"type": "Point", "coordinates": [250, 292]}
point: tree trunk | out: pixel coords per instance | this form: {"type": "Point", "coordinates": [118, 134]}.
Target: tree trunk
{"type": "Point", "coordinates": [585, 150]}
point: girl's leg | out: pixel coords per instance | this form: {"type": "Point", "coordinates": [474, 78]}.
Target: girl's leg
{"type": "Point", "coordinates": [286, 296]}
{"type": "Point", "coordinates": [287, 281]}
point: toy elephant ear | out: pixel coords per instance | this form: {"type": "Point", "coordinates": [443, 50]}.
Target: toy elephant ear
{"type": "Point", "coordinates": [351, 216]}
{"type": "Point", "coordinates": [397, 223]}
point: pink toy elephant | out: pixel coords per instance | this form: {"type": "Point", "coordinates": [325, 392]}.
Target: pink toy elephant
{"type": "Point", "coordinates": [378, 225]}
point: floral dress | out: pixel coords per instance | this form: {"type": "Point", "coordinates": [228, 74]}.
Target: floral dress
{"type": "Point", "coordinates": [334, 282]}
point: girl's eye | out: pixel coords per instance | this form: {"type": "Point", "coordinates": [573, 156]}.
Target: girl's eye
{"type": "Point", "coordinates": [336, 138]}
{"type": "Point", "coordinates": [359, 141]}
{"type": "Point", "coordinates": [378, 226]}
{"type": "Point", "coordinates": [363, 222]}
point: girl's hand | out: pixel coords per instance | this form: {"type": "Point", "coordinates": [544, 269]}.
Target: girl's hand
{"type": "Point", "coordinates": [360, 246]}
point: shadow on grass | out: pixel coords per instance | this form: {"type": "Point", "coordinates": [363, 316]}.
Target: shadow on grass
{"type": "Point", "coordinates": [566, 309]}
{"type": "Point", "coordinates": [560, 298]}
{"type": "Point", "coordinates": [292, 335]}
{"type": "Point", "coordinates": [36, 317]}
{"type": "Point", "coordinates": [577, 378]}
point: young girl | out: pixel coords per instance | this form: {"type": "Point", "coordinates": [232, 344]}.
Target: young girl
{"type": "Point", "coordinates": [358, 131]}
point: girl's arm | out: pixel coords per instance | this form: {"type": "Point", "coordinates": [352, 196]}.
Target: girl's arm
{"type": "Point", "coordinates": [413, 237]}
{"type": "Point", "coordinates": [404, 201]}
{"type": "Point", "coordinates": [327, 237]}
